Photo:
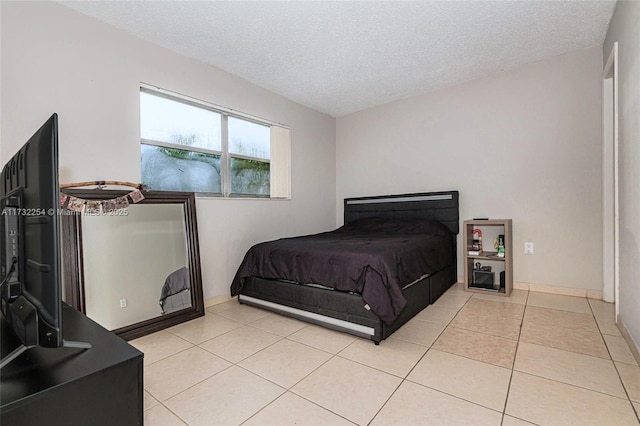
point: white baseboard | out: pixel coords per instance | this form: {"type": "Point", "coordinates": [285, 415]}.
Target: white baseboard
{"type": "Point", "coordinates": [552, 289]}
{"type": "Point", "coordinates": [566, 291]}
{"type": "Point", "coordinates": [217, 300]}
{"type": "Point", "coordinates": [633, 345]}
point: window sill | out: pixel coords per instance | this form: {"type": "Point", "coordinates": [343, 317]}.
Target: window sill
{"type": "Point", "coordinates": [205, 196]}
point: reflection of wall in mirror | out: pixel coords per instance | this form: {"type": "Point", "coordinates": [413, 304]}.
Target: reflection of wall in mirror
{"type": "Point", "coordinates": [129, 257]}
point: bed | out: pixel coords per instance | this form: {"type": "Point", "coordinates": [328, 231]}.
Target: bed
{"type": "Point", "coordinates": [394, 256]}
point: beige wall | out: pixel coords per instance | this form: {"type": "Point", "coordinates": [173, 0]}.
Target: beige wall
{"type": "Point", "coordinates": [523, 144]}
{"type": "Point", "coordinates": [57, 60]}
{"type": "Point", "coordinates": [625, 29]}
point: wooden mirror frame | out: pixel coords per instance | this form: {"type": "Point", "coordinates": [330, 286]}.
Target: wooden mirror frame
{"type": "Point", "coordinates": [74, 290]}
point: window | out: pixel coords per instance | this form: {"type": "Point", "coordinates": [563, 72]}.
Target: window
{"type": "Point", "coordinates": [249, 152]}
{"type": "Point", "coordinates": [188, 145]}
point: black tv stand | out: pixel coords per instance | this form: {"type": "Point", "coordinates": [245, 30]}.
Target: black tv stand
{"type": "Point", "coordinates": [59, 386]}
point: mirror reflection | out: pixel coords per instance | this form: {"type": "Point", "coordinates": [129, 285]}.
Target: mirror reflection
{"type": "Point", "coordinates": [147, 245]}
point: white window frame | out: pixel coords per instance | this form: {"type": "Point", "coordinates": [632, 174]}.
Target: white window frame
{"type": "Point", "coordinates": [280, 149]}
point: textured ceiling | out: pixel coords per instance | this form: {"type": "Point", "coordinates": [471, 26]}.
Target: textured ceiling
{"type": "Point", "coordinates": [345, 56]}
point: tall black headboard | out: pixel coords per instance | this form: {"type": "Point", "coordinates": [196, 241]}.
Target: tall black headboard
{"type": "Point", "coordinates": [439, 206]}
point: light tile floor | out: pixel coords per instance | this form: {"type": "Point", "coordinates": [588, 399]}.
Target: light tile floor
{"type": "Point", "coordinates": [470, 358]}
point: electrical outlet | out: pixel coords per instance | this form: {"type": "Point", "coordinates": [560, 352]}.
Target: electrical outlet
{"type": "Point", "coordinates": [528, 247]}
{"type": "Point", "coordinates": [123, 303]}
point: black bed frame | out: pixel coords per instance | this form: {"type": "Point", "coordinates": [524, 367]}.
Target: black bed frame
{"type": "Point", "coordinates": [347, 311]}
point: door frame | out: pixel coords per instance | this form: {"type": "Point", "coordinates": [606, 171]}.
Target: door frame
{"type": "Point", "coordinates": [611, 211]}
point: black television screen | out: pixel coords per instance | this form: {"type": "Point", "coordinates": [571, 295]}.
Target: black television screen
{"type": "Point", "coordinates": [30, 260]}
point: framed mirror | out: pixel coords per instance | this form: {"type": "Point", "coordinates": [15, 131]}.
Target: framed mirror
{"type": "Point", "coordinates": [135, 270]}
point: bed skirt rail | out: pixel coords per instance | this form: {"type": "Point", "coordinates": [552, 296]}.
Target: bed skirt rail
{"type": "Point", "coordinates": [339, 310]}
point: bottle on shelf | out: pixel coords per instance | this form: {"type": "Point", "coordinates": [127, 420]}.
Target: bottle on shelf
{"type": "Point", "coordinates": [499, 245]}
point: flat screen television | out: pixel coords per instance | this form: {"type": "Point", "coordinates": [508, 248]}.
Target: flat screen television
{"type": "Point", "coordinates": [31, 290]}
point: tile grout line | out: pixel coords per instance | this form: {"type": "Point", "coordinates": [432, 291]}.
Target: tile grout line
{"type": "Point", "coordinates": [289, 389]}
{"type": "Point", "coordinates": [184, 390]}
{"type": "Point", "coordinates": [253, 373]}
{"type": "Point", "coordinates": [232, 364]}
{"type": "Point", "coordinates": [403, 379]}
{"type": "Point", "coordinates": [431, 347]}
{"type": "Point", "coordinates": [301, 397]}
{"type": "Point", "coordinates": [485, 334]}
{"type": "Point", "coordinates": [248, 356]}
{"type": "Point", "coordinates": [513, 364]}
{"type": "Point", "coordinates": [624, 387]}
{"type": "Point", "coordinates": [386, 401]}
{"type": "Point", "coordinates": [436, 339]}
{"type": "Point", "coordinates": [581, 387]}
{"type": "Point", "coordinates": [576, 352]}
{"type": "Point", "coordinates": [572, 384]}
{"type": "Point", "coordinates": [175, 414]}
{"type": "Point", "coordinates": [570, 330]}
{"type": "Point", "coordinates": [168, 356]}
{"type": "Point", "coordinates": [482, 333]}
{"type": "Point", "coordinates": [454, 396]}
